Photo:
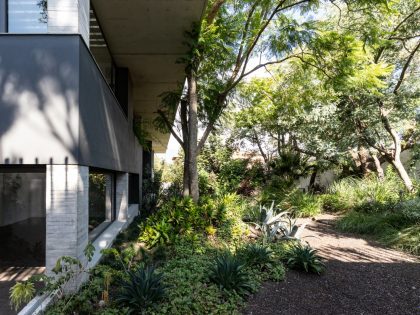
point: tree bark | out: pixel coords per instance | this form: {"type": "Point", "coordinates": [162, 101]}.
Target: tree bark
{"type": "Point", "coordinates": [193, 131]}
{"type": "Point", "coordinates": [399, 167]}
{"type": "Point", "coordinates": [312, 180]}
{"type": "Point", "coordinates": [184, 126]}
{"type": "Point", "coordinates": [395, 156]}
{"type": "Point", "coordinates": [378, 166]}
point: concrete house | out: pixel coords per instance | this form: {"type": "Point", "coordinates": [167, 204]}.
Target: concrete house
{"type": "Point", "coordinates": [75, 75]}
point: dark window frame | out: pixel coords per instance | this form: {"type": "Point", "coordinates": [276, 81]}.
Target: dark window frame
{"type": "Point", "coordinates": [97, 232]}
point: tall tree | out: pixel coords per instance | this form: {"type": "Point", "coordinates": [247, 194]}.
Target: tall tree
{"type": "Point", "coordinates": [234, 40]}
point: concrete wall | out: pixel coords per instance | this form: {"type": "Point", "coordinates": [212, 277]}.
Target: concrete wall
{"type": "Point", "coordinates": [39, 95]}
{"type": "Point", "coordinates": [3, 15]}
{"type": "Point", "coordinates": [69, 16]}
{"type": "Point", "coordinates": [106, 134]}
{"type": "Point", "coordinates": [67, 212]}
{"type": "Point", "coordinates": [56, 108]}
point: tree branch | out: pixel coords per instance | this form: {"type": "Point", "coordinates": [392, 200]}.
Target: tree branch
{"type": "Point", "coordinates": [404, 69]}
{"type": "Point", "coordinates": [214, 10]}
{"type": "Point", "coordinates": [169, 126]}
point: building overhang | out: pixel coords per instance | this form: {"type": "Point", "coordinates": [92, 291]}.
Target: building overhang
{"type": "Point", "coordinates": [147, 36]}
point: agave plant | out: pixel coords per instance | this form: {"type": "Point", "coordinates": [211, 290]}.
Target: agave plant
{"type": "Point", "coordinates": [304, 257]}
{"type": "Point", "coordinates": [274, 225]}
{"type": "Point", "coordinates": [229, 274]}
{"type": "Point", "coordinates": [142, 288]}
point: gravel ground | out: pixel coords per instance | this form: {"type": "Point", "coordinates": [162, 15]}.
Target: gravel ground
{"type": "Point", "coordinates": [361, 278]}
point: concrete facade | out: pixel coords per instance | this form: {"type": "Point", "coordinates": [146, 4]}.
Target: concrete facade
{"type": "Point", "coordinates": [3, 16]}
{"type": "Point", "coordinates": [67, 212]}
{"type": "Point", "coordinates": [56, 107]}
{"type": "Point", "coordinates": [69, 17]}
{"type": "Point", "coordinates": [60, 110]}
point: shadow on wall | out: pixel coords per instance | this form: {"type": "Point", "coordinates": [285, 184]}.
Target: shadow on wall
{"type": "Point", "coordinates": [38, 102]}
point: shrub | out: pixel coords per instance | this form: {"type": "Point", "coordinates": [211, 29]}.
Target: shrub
{"type": "Point", "coordinates": [229, 274]}
{"type": "Point", "coordinates": [397, 229]}
{"type": "Point", "coordinates": [367, 194]}
{"type": "Point", "coordinates": [142, 288]}
{"type": "Point", "coordinates": [21, 293]}
{"type": "Point", "coordinates": [410, 209]}
{"type": "Point", "coordinates": [255, 255]}
{"type": "Point", "coordinates": [301, 204]}
{"type": "Point", "coordinates": [303, 257]}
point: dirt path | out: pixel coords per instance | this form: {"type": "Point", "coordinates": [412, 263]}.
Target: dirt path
{"type": "Point", "coordinates": [362, 278]}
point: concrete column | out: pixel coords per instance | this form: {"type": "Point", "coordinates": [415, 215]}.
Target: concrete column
{"type": "Point", "coordinates": [69, 16]}
{"type": "Point", "coordinates": [67, 212]}
{"type": "Point", "coordinates": [121, 197]}
{"type": "Point", "coordinates": [3, 16]}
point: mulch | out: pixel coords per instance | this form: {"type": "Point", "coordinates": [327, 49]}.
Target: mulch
{"type": "Point", "coordinates": [362, 277]}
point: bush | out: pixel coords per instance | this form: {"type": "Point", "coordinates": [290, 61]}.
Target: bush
{"type": "Point", "coordinates": [141, 289]}
{"type": "Point", "coordinates": [303, 257]}
{"type": "Point", "coordinates": [229, 274]}
{"type": "Point", "coordinates": [410, 209]}
{"type": "Point", "coordinates": [397, 229]}
{"type": "Point", "coordinates": [301, 204]}
{"type": "Point", "coordinates": [255, 255]}
{"type": "Point", "coordinates": [368, 194]}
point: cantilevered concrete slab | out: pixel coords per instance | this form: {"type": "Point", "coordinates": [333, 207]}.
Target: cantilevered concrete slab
{"type": "Point", "coordinates": [147, 37]}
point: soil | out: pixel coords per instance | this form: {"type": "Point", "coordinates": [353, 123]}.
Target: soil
{"type": "Point", "coordinates": [362, 277]}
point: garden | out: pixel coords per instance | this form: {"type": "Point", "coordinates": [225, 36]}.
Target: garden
{"type": "Point", "coordinates": [330, 126]}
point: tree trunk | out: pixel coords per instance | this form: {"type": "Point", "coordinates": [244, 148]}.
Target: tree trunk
{"type": "Point", "coordinates": [396, 156]}
{"type": "Point", "coordinates": [312, 180]}
{"type": "Point", "coordinates": [378, 166]}
{"type": "Point", "coordinates": [184, 126]}
{"type": "Point", "coordinates": [193, 130]}
{"type": "Point", "coordinates": [399, 167]}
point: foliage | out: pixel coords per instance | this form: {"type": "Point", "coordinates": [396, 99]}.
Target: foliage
{"type": "Point", "coordinates": [398, 229]}
{"type": "Point", "coordinates": [229, 274]}
{"type": "Point", "coordinates": [301, 204]}
{"type": "Point", "coordinates": [67, 271]}
{"type": "Point", "coordinates": [21, 293]}
{"type": "Point", "coordinates": [141, 288]}
{"type": "Point", "coordinates": [303, 257]}
{"type": "Point", "coordinates": [255, 255]}
{"type": "Point", "coordinates": [367, 194]}
{"type": "Point", "coordinates": [273, 224]}
{"type": "Point", "coordinates": [182, 217]}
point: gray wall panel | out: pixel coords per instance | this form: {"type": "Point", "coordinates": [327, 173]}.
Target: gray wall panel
{"type": "Point", "coordinates": [39, 99]}
{"type": "Point", "coordinates": [3, 15]}
{"type": "Point", "coordinates": [55, 107]}
{"type": "Point", "coordinates": [106, 135]}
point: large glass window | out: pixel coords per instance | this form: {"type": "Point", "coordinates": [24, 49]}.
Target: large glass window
{"type": "Point", "coordinates": [22, 216]}
{"type": "Point", "coordinates": [27, 16]}
{"type": "Point", "coordinates": [101, 201]}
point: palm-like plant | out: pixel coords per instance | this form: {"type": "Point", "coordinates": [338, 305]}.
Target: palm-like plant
{"type": "Point", "coordinates": [229, 274]}
{"type": "Point", "coordinates": [142, 288]}
{"type": "Point", "coordinates": [304, 257]}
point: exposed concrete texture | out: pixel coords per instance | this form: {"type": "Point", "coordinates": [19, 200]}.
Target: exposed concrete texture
{"type": "Point", "coordinates": [67, 209]}
{"type": "Point", "coordinates": [69, 16]}
{"type": "Point", "coordinates": [3, 16]}
{"type": "Point", "coordinates": [39, 84]}
{"type": "Point", "coordinates": [152, 42]}
{"type": "Point", "coordinates": [106, 134]}
{"type": "Point", "coordinates": [121, 197]}
{"type": "Point", "coordinates": [56, 107]}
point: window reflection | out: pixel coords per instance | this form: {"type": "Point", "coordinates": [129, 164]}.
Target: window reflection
{"type": "Point", "coordinates": [27, 16]}
{"type": "Point", "coordinates": [100, 50]}
{"type": "Point", "coordinates": [101, 201]}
